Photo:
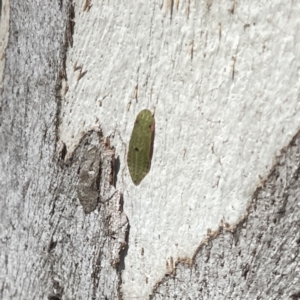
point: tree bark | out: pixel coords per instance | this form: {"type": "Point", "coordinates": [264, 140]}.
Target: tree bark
{"type": "Point", "coordinates": [258, 258]}
{"type": "Point", "coordinates": [49, 247]}
{"type": "Point", "coordinates": [64, 233]}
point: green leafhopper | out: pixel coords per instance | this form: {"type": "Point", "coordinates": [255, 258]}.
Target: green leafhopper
{"type": "Point", "coordinates": [141, 146]}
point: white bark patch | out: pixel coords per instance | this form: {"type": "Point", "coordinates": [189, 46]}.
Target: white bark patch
{"type": "Point", "coordinates": [224, 79]}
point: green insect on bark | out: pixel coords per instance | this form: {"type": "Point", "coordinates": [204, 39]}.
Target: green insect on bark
{"type": "Point", "coordinates": [141, 146]}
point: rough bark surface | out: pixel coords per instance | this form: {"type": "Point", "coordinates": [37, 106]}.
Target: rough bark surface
{"type": "Point", "coordinates": [51, 246]}
{"type": "Point", "coordinates": [259, 259]}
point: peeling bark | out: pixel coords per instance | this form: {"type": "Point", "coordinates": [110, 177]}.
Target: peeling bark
{"type": "Point", "coordinates": [63, 232]}
{"type": "Point", "coordinates": [51, 246]}
{"type": "Point", "coordinates": [259, 258]}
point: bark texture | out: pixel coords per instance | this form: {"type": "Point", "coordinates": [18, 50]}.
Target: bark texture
{"type": "Point", "coordinates": [63, 233]}
{"type": "Point", "coordinates": [49, 247]}
{"type": "Point", "coordinates": [259, 258]}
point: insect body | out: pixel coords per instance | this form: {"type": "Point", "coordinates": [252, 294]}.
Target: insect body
{"type": "Point", "coordinates": [141, 146]}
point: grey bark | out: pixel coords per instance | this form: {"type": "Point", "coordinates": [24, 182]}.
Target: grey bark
{"type": "Point", "coordinates": [49, 247]}
{"type": "Point", "coordinates": [52, 246]}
